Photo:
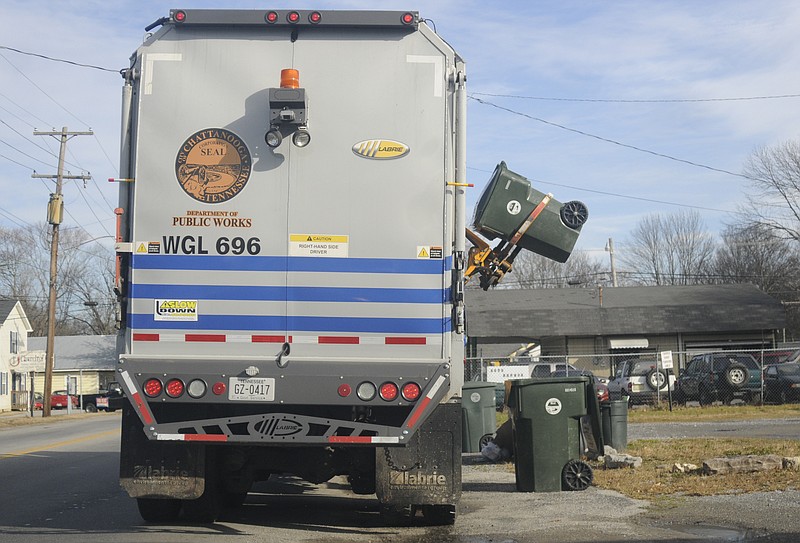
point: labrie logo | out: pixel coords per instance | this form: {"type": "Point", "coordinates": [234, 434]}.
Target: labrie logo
{"type": "Point", "coordinates": [279, 427]}
{"type": "Point", "coordinates": [380, 149]}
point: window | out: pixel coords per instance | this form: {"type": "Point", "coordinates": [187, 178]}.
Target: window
{"type": "Point", "coordinates": [14, 342]}
{"type": "Point", "coordinates": [3, 383]}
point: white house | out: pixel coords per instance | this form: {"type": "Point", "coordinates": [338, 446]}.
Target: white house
{"type": "Point", "coordinates": [14, 330]}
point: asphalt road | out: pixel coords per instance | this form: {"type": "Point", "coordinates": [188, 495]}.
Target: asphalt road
{"type": "Point", "coordinates": [58, 483]}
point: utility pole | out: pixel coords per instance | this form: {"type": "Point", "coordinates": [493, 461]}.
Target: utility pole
{"type": "Point", "coordinates": [610, 249]}
{"type": "Point", "coordinates": [55, 208]}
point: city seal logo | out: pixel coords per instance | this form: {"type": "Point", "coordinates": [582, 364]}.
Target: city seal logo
{"type": "Point", "coordinates": [213, 165]}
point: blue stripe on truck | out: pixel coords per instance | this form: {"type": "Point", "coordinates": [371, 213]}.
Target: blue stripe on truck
{"type": "Point", "coordinates": [296, 324]}
{"type": "Point", "coordinates": [292, 264]}
{"type": "Point", "coordinates": [291, 294]}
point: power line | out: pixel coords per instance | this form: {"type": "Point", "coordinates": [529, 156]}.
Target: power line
{"type": "Point", "coordinates": [23, 136]}
{"type": "Point", "coordinates": [45, 57]}
{"type": "Point", "coordinates": [26, 111]}
{"type": "Point", "coordinates": [607, 140]}
{"type": "Point", "coordinates": [43, 91]}
{"type": "Point", "coordinates": [15, 162]}
{"type": "Point", "coordinates": [26, 154]}
{"type": "Point", "coordinates": [643, 101]}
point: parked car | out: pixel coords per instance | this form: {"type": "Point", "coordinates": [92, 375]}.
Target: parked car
{"type": "Point", "coordinates": [38, 401]}
{"type": "Point", "coordinates": [640, 381]}
{"type": "Point", "coordinates": [599, 383]}
{"type": "Point", "coordinates": [58, 400]}
{"type": "Point", "coordinates": [782, 383]}
{"type": "Point", "coordinates": [546, 369]}
{"type": "Point", "coordinates": [720, 376]}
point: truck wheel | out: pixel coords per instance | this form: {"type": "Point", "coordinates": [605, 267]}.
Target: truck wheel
{"type": "Point", "coordinates": [439, 515]}
{"type": "Point", "coordinates": [155, 510]}
{"type": "Point", "coordinates": [576, 475]}
{"type": "Point", "coordinates": [90, 408]}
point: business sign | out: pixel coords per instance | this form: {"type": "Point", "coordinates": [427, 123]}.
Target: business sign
{"type": "Point", "coordinates": [666, 360]}
{"type": "Point", "coordinates": [501, 374]}
{"type": "Point", "coordinates": [28, 361]}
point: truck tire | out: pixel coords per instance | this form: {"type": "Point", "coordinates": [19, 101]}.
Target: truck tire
{"type": "Point", "coordinates": [90, 408]}
{"type": "Point", "coordinates": [736, 376]}
{"type": "Point", "coordinates": [656, 379]}
{"type": "Point", "coordinates": [155, 510]}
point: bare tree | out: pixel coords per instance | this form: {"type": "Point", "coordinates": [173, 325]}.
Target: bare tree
{"type": "Point", "coordinates": [83, 277]}
{"type": "Point", "coordinates": [668, 250]}
{"type": "Point", "coordinates": [535, 271]}
{"type": "Point", "coordinates": [775, 174]}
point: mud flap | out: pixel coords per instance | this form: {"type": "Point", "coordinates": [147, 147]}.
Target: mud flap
{"type": "Point", "coordinates": [158, 469]}
{"type": "Point", "coordinates": [427, 471]}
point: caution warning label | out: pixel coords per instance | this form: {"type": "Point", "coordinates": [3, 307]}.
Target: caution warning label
{"type": "Point", "coordinates": [321, 245]}
{"type": "Point", "coordinates": [429, 251]}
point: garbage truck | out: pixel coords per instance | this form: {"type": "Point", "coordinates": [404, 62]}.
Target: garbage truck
{"type": "Point", "coordinates": [291, 258]}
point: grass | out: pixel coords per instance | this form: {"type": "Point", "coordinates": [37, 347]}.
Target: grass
{"type": "Point", "coordinates": [713, 413]}
{"type": "Point", "coordinates": [13, 419]}
{"type": "Point", "coordinates": [654, 480]}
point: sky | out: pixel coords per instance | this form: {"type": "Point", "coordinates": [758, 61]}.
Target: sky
{"type": "Point", "coordinates": [633, 107]}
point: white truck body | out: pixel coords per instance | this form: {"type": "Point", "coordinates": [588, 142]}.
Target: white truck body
{"type": "Point", "coordinates": [285, 282]}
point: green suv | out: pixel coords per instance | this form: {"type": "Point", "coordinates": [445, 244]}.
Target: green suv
{"type": "Point", "coordinates": [719, 377]}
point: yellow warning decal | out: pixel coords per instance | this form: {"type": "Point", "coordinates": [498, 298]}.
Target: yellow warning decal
{"type": "Point", "coordinates": [430, 251]}
{"type": "Point", "coordinates": [141, 248]}
{"type": "Point", "coordinates": [423, 253]}
{"type": "Point", "coordinates": [318, 238]}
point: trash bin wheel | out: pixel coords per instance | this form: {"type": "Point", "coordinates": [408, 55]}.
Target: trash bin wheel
{"type": "Point", "coordinates": [485, 440]}
{"type": "Point", "coordinates": [576, 475]}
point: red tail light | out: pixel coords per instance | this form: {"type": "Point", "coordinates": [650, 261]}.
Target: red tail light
{"type": "Point", "coordinates": [408, 18]}
{"type": "Point", "coordinates": [152, 387]}
{"type": "Point", "coordinates": [410, 392]}
{"type": "Point", "coordinates": [174, 388]}
{"type": "Point", "coordinates": [180, 16]}
{"type": "Point", "coordinates": [271, 17]}
{"type": "Point", "coordinates": [344, 390]}
{"type": "Point", "coordinates": [218, 388]}
{"type": "Point", "coordinates": [314, 17]}
{"type": "Point", "coordinates": [293, 17]}
{"type": "Point", "coordinates": [388, 391]}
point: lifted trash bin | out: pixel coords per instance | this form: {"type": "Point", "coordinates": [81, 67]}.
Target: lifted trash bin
{"type": "Point", "coordinates": [478, 420]}
{"type": "Point", "coordinates": [546, 418]}
{"type": "Point", "coordinates": [614, 415]}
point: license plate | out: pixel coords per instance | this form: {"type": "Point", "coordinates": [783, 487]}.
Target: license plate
{"type": "Point", "coordinates": [259, 389]}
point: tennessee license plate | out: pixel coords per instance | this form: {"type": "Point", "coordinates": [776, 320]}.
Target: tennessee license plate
{"type": "Point", "coordinates": [254, 389]}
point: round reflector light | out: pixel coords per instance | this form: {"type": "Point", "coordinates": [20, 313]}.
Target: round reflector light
{"type": "Point", "coordinates": [410, 392]}
{"type": "Point", "coordinates": [174, 388]}
{"type": "Point", "coordinates": [314, 17]}
{"type": "Point", "coordinates": [366, 391]}
{"type": "Point", "coordinates": [389, 391]}
{"type": "Point", "coordinates": [271, 17]}
{"type": "Point", "coordinates": [218, 388]}
{"type": "Point", "coordinates": [408, 18]}
{"type": "Point", "coordinates": [293, 17]}
{"type": "Point", "coordinates": [344, 390]}
{"type": "Point", "coordinates": [197, 388]}
{"type": "Point", "coordinates": [152, 387]}
{"type": "Point", "coordinates": [179, 16]}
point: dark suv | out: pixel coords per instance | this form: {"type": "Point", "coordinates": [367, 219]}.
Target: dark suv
{"type": "Point", "coordinates": [719, 376]}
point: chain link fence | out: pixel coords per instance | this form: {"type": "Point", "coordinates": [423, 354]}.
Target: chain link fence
{"type": "Point", "coordinates": [701, 377]}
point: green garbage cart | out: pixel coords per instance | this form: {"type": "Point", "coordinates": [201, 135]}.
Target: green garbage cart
{"type": "Point", "coordinates": [546, 420]}
{"type": "Point", "coordinates": [478, 421]}
{"type": "Point", "coordinates": [614, 415]}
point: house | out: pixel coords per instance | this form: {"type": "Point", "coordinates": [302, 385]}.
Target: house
{"type": "Point", "coordinates": [597, 323]}
{"type": "Point", "coordinates": [84, 363]}
{"type": "Point", "coordinates": [14, 330]}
